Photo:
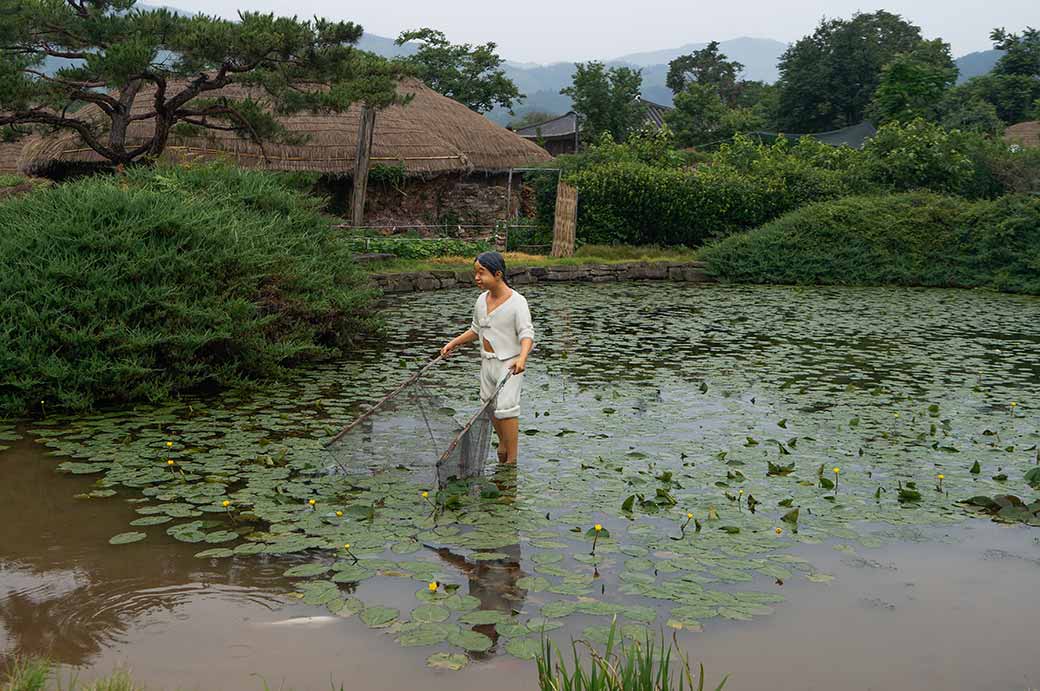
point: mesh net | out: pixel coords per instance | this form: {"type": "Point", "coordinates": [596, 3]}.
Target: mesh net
{"type": "Point", "coordinates": [412, 430]}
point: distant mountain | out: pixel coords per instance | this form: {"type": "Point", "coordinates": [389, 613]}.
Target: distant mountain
{"type": "Point", "coordinates": [758, 55]}
{"type": "Point", "coordinates": [977, 64]}
{"type": "Point", "coordinates": [380, 45]}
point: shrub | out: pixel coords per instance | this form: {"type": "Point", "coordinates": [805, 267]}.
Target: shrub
{"type": "Point", "coordinates": [918, 239]}
{"type": "Point", "coordinates": [918, 156]}
{"type": "Point", "coordinates": [139, 286]}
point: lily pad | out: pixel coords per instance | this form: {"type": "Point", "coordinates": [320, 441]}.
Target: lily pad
{"type": "Point", "coordinates": [524, 648]}
{"type": "Point", "coordinates": [126, 538]}
{"type": "Point", "coordinates": [449, 661]}
{"type": "Point", "coordinates": [378, 617]}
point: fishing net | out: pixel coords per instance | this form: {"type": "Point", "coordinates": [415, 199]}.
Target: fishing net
{"type": "Point", "coordinates": [412, 430]}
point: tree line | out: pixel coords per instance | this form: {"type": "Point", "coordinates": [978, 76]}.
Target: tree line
{"type": "Point", "coordinates": [875, 66]}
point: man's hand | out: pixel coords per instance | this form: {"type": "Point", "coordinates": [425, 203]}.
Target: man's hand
{"type": "Point", "coordinates": [448, 348]}
{"type": "Point", "coordinates": [519, 365]}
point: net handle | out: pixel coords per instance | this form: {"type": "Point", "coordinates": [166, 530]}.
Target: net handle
{"type": "Point", "coordinates": [469, 423]}
{"type": "Point", "coordinates": [367, 413]}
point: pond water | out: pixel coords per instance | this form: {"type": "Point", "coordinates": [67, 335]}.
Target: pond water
{"type": "Point", "coordinates": [643, 403]}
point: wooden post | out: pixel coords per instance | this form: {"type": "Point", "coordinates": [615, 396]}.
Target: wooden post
{"type": "Point", "coordinates": [566, 220]}
{"type": "Point", "coordinates": [364, 153]}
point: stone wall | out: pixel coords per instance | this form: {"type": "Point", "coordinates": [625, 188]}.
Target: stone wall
{"type": "Point", "coordinates": [441, 204]}
{"type": "Point", "coordinates": [693, 272]}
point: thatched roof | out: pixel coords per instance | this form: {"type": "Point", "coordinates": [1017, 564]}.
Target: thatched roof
{"type": "Point", "coordinates": [9, 154]}
{"type": "Point", "coordinates": [1023, 134]}
{"type": "Point", "coordinates": [430, 135]}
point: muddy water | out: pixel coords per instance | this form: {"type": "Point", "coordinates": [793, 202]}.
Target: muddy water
{"type": "Point", "coordinates": [947, 603]}
{"type": "Point", "coordinates": [956, 612]}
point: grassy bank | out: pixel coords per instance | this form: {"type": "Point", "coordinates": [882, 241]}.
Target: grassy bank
{"type": "Point", "coordinates": [915, 239]}
{"type": "Point", "coordinates": [588, 254]}
{"type": "Point", "coordinates": [140, 286]}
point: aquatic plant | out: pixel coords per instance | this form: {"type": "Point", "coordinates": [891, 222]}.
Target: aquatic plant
{"type": "Point", "coordinates": [638, 666]}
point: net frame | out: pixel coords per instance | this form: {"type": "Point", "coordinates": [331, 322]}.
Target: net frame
{"type": "Point", "coordinates": [465, 455]}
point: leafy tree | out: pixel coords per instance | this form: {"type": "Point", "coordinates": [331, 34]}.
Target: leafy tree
{"type": "Point", "coordinates": [1022, 52]}
{"type": "Point", "coordinates": [532, 117]}
{"type": "Point", "coordinates": [700, 117]}
{"type": "Point", "coordinates": [177, 65]}
{"type": "Point", "coordinates": [706, 66]}
{"type": "Point", "coordinates": [828, 78]}
{"type": "Point", "coordinates": [913, 84]}
{"type": "Point", "coordinates": [471, 75]}
{"type": "Point", "coordinates": [1012, 95]}
{"type": "Point", "coordinates": [971, 115]}
{"type": "Point", "coordinates": [606, 100]}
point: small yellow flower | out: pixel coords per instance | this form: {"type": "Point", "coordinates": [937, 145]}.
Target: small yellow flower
{"type": "Point", "coordinates": [169, 445]}
{"type": "Point", "coordinates": [837, 470]}
{"type": "Point", "coordinates": [1013, 404]}
{"type": "Point", "coordinates": [425, 495]}
{"type": "Point", "coordinates": [225, 503]}
{"type": "Point", "coordinates": [941, 476]}
{"type": "Point", "coordinates": [311, 502]}
{"type": "Point", "coordinates": [740, 492]}
{"type": "Point", "coordinates": [689, 516]}
{"type": "Point", "coordinates": [339, 514]}
{"type": "Point", "coordinates": [170, 461]}
{"type": "Point", "coordinates": [597, 527]}
{"type": "Point", "coordinates": [346, 546]}
{"type": "Point", "coordinates": [432, 586]}
{"type": "Point", "coordinates": [779, 531]}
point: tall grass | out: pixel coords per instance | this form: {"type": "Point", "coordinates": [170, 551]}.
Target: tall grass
{"type": "Point", "coordinates": [141, 286]}
{"type": "Point", "coordinates": [646, 666]}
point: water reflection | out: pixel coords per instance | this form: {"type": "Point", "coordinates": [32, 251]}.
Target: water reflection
{"type": "Point", "coordinates": [63, 596]}
{"type": "Point", "coordinates": [494, 581]}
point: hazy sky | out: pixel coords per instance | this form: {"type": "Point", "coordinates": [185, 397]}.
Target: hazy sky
{"type": "Point", "coordinates": [558, 30]}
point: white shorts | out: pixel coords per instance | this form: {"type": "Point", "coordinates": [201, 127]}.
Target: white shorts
{"type": "Point", "coordinates": [491, 372]}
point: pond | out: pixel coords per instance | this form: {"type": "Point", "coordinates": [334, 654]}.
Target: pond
{"type": "Point", "coordinates": [805, 430]}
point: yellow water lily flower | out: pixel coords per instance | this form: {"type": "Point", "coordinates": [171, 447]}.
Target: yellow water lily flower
{"type": "Point", "coordinates": [346, 546]}
{"type": "Point", "coordinates": [311, 502]}
{"type": "Point", "coordinates": [432, 586]}
{"type": "Point", "coordinates": [597, 527]}
{"type": "Point", "coordinates": [169, 445]}
{"type": "Point", "coordinates": [941, 476]}
{"type": "Point", "coordinates": [1013, 404]}
{"type": "Point", "coordinates": [689, 516]}
{"type": "Point", "coordinates": [425, 495]}
{"type": "Point", "coordinates": [339, 514]}
{"type": "Point", "coordinates": [170, 461]}
{"type": "Point", "coordinates": [837, 470]}
{"type": "Point", "coordinates": [225, 503]}
{"type": "Point", "coordinates": [779, 531]}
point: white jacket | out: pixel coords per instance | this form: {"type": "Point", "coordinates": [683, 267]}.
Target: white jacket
{"type": "Point", "coordinates": [505, 326]}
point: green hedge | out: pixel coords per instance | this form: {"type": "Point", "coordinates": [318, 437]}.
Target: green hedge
{"type": "Point", "coordinates": [140, 286]}
{"type": "Point", "coordinates": [912, 239]}
{"type": "Point", "coordinates": [639, 195]}
{"type": "Point", "coordinates": [635, 203]}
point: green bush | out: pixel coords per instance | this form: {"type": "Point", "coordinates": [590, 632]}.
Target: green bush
{"type": "Point", "coordinates": [164, 280]}
{"type": "Point", "coordinates": [913, 239]}
{"type": "Point", "coordinates": [635, 203]}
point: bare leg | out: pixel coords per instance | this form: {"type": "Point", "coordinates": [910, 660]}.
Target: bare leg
{"type": "Point", "coordinates": [508, 430]}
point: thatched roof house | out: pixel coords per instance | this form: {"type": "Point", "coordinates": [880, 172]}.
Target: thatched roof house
{"type": "Point", "coordinates": [430, 135]}
{"type": "Point", "coordinates": [1025, 134]}
{"type": "Point", "coordinates": [455, 161]}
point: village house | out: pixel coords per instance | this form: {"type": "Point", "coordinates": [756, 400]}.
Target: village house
{"type": "Point", "coordinates": [560, 135]}
{"type": "Point", "coordinates": [435, 164]}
